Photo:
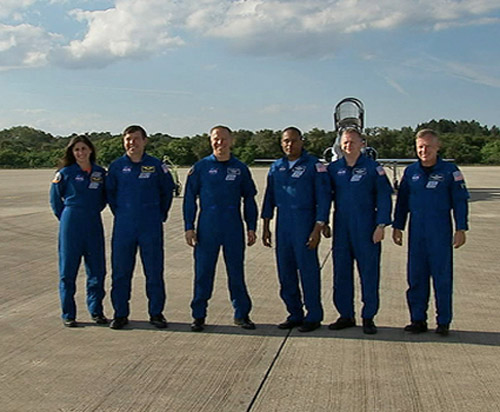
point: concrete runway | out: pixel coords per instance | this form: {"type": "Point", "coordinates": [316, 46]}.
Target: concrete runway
{"type": "Point", "coordinates": [47, 367]}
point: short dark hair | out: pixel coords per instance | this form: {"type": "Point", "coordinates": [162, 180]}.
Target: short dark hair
{"type": "Point", "coordinates": [220, 126]}
{"type": "Point", "coordinates": [69, 158]}
{"type": "Point", "coordinates": [293, 129]}
{"type": "Point", "coordinates": [135, 128]}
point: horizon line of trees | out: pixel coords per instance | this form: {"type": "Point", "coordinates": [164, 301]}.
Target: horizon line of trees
{"type": "Point", "coordinates": [468, 142]}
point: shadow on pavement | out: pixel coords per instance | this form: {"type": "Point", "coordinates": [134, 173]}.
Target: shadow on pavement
{"type": "Point", "coordinates": [483, 194]}
{"type": "Point", "coordinates": [385, 333]}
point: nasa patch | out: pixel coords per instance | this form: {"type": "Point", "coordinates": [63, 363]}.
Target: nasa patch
{"type": "Point", "coordinates": [415, 177]}
{"type": "Point", "coordinates": [213, 171]}
{"type": "Point", "coordinates": [126, 169]}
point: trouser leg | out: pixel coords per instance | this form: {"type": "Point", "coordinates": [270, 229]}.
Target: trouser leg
{"type": "Point", "coordinates": [310, 278]}
{"type": "Point", "coordinates": [70, 252]}
{"type": "Point", "coordinates": [95, 264]}
{"type": "Point", "coordinates": [234, 252]}
{"type": "Point", "coordinates": [418, 280]}
{"type": "Point", "coordinates": [124, 249]}
{"type": "Point", "coordinates": [368, 262]}
{"type": "Point", "coordinates": [205, 259]}
{"type": "Point", "coordinates": [152, 257]}
{"type": "Point", "coordinates": [343, 282]}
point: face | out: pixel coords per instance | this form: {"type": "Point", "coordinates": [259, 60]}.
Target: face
{"type": "Point", "coordinates": [351, 143]}
{"type": "Point", "coordinates": [221, 142]}
{"type": "Point", "coordinates": [292, 144]}
{"type": "Point", "coordinates": [134, 144]}
{"type": "Point", "coordinates": [81, 152]}
{"type": "Point", "coordinates": [427, 149]}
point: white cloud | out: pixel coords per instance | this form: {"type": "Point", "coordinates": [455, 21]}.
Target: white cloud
{"type": "Point", "coordinates": [9, 7]}
{"type": "Point", "coordinates": [131, 29]}
{"type": "Point", "coordinates": [297, 28]}
{"type": "Point", "coordinates": [469, 72]}
{"type": "Point", "coordinates": [24, 46]}
{"type": "Point", "coordinates": [396, 86]}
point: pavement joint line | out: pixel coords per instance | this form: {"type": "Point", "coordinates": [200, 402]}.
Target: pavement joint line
{"type": "Point", "coordinates": [268, 372]}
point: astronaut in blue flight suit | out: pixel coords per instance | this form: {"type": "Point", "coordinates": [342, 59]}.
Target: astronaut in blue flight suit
{"type": "Point", "coordinates": [430, 190]}
{"type": "Point", "coordinates": [298, 187]}
{"type": "Point", "coordinates": [77, 197]}
{"type": "Point", "coordinates": [219, 182]}
{"type": "Point", "coordinates": [362, 200]}
{"type": "Point", "coordinates": [139, 189]}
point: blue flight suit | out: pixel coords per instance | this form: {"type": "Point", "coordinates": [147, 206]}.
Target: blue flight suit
{"type": "Point", "coordinates": [429, 195]}
{"type": "Point", "coordinates": [77, 199]}
{"type": "Point", "coordinates": [362, 200]}
{"type": "Point", "coordinates": [140, 195]}
{"type": "Point", "coordinates": [301, 195]}
{"type": "Point", "coordinates": [219, 186]}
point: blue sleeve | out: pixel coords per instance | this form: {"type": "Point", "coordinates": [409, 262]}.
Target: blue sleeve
{"type": "Point", "coordinates": [57, 195]}
{"type": "Point", "coordinates": [402, 204]}
{"type": "Point", "coordinates": [331, 188]}
{"type": "Point", "coordinates": [104, 197]}
{"type": "Point", "coordinates": [384, 197]}
{"type": "Point", "coordinates": [323, 192]}
{"type": "Point", "coordinates": [111, 187]}
{"type": "Point", "coordinates": [459, 197]}
{"type": "Point", "coordinates": [269, 202]}
{"type": "Point", "coordinates": [250, 212]}
{"type": "Point", "coordinates": [191, 193]}
{"type": "Point", "coordinates": [166, 191]}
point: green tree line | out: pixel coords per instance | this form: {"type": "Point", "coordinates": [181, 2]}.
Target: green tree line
{"type": "Point", "coordinates": [468, 142]}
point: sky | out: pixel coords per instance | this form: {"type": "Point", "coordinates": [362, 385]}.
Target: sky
{"type": "Point", "coordinates": [182, 66]}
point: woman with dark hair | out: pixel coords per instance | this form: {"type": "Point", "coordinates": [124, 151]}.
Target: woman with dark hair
{"type": "Point", "coordinates": [77, 197]}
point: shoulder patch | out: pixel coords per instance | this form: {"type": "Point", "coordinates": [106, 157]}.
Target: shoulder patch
{"type": "Point", "coordinates": [191, 171]}
{"type": "Point", "coordinates": [321, 168]}
{"type": "Point", "coordinates": [380, 171]}
{"type": "Point", "coordinates": [57, 177]}
{"type": "Point", "coordinates": [458, 176]}
{"type": "Point", "coordinates": [164, 167]}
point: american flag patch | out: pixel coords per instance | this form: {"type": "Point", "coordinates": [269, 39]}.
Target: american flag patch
{"type": "Point", "coordinates": [164, 167]}
{"type": "Point", "coordinates": [320, 168]}
{"type": "Point", "coordinates": [457, 176]}
{"type": "Point", "coordinates": [380, 171]}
